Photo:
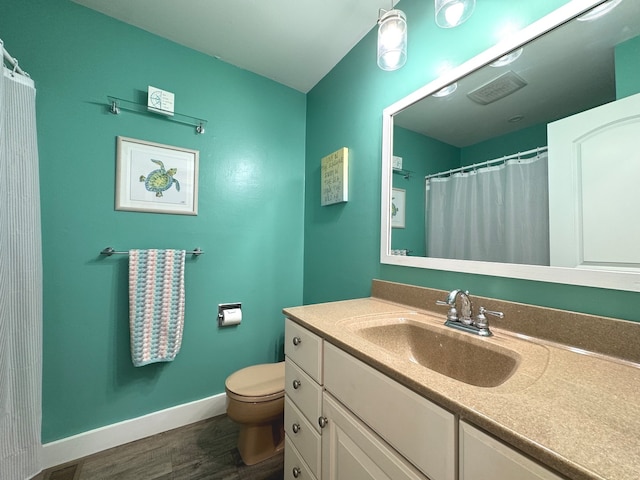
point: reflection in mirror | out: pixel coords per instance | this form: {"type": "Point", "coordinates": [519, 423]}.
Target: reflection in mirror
{"type": "Point", "coordinates": [499, 164]}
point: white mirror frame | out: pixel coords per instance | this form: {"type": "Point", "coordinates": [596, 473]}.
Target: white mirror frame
{"type": "Point", "coordinates": [618, 280]}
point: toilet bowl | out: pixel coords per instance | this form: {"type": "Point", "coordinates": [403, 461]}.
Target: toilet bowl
{"type": "Point", "coordinates": [256, 401]}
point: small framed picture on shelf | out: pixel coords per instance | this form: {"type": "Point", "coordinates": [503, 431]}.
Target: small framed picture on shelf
{"type": "Point", "coordinates": [156, 178]}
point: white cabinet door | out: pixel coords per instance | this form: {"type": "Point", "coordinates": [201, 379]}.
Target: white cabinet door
{"type": "Point", "coordinates": [594, 166]}
{"type": "Point", "coordinates": [351, 451]}
{"type": "Point", "coordinates": [484, 458]}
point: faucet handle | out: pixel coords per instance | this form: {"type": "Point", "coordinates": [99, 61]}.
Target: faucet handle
{"type": "Point", "coordinates": [491, 312]}
{"type": "Point", "coordinates": [452, 314]}
{"type": "Point", "coordinates": [481, 320]}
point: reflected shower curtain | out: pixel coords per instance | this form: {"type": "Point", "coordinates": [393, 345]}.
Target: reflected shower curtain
{"type": "Point", "coordinates": [495, 214]}
{"type": "Point", "coordinates": [20, 281]}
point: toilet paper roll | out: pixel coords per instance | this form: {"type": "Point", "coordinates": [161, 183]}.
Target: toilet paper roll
{"type": "Point", "coordinates": [231, 316]}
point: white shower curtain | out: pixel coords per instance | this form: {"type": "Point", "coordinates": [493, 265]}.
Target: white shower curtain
{"type": "Point", "coordinates": [20, 281]}
{"type": "Point", "coordinates": [495, 214]}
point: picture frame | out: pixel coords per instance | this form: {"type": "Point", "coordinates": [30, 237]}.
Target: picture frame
{"type": "Point", "coordinates": [334, 178]}
{"type": "Point", "coordinates": [156, 178]}
{"type": "Point", "coordinates": [398, 203]}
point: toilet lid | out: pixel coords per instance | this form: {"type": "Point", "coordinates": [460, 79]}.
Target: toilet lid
{"type": "Point", "coordinates": [257, 381]}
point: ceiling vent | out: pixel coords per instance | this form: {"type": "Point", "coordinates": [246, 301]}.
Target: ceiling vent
{"type": "Point", "coordinates": [498, 88]}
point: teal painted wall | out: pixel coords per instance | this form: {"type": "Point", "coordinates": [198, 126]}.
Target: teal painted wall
{"type": "Point", "coordinates": [627, 56]}
{"type": "Point", "coordinates": [249, 224]}
{"type": "Point", "coordinates": [519, 141]}
{"type": "Point", "coordinates": [342, 245]}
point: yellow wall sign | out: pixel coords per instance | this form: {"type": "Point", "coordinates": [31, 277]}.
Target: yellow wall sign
{"type": "Point", "coordinates": [334, 172]}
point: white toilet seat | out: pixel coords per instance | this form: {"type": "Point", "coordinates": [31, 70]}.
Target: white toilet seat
{"type": "Point", "coordinates": [257, 383]}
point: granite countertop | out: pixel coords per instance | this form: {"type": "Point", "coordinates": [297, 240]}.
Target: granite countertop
{"type": "Point", "coordinates": [577, 413]}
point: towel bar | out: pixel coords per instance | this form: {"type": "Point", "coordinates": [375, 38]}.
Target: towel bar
{"type": "Point", "coordinates": [110, 251]}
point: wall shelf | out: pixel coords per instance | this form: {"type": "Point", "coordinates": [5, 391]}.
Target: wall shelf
{"type": "Point", "coordinates": [406, 174]}
{"type": "Point", "coordinates": [117, 104]}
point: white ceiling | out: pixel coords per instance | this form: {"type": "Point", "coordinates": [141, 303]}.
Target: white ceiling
{"type": "Point", "coordinates": [294, 42]}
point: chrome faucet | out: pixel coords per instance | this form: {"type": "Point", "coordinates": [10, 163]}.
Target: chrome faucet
{"type": "Point", "coordinates": [466, 322]}
{"type": "Point", "coordinates": [466, 307]}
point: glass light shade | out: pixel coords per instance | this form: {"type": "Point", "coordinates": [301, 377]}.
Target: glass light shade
{"type": "Point", "coordinates": [392, 40]}
{"type": "Point", "coordinates": [451, 13]}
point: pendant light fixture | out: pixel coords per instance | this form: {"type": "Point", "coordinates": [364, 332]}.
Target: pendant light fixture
{"type": "Point", "coordinates": [451, 13]}
{"type": "Point", "coordinates": [392, 39]}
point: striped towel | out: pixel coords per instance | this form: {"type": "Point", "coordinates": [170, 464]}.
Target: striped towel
{"type": "Point", "coordinates": [156, 304]}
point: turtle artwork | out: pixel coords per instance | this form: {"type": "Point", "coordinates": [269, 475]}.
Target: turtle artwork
{"type": "Point", "coordinates": [160, 179]}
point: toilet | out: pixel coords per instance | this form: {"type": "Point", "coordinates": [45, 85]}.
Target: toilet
{"type": "Point", "coordinates": [256, 401]}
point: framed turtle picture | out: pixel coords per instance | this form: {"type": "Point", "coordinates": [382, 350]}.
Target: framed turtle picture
{"type": "Point", "coordinates": [151, 177]}
{"type": "Point", "coordinates": [398, 202]}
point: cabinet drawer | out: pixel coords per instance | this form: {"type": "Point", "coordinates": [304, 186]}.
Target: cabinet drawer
{"type": "Point", "coordinates": [304, 392]}
{"type": "Point", "coordinates": [305, 439]}
{"type": "Point", "coordinates": [294, 464]}
{"type": "Point", "coordinates": [421, 431]}
{"type": "Point", "coordinates": [304, 348]}
{"type": "Point", "coordinates": [482, 457]}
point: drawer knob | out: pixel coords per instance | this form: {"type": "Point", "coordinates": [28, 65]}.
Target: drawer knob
{"type": "Point", "coordinates": [295, 427]}
{"type": "Point", "coordinates": [296, 384]}
{"type": "Point", "coordinates": [296, 472]}
{"type": "Point", "coordinates": [297, 341]}
{"type": "Point", "coordinates": [322, 421]}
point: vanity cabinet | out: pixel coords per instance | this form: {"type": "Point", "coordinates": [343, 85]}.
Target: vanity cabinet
{"type": "Point", "coordinates": [375, 428]}
{"type": "Point", "coordinates": [364, 416]}
{"type": "Point", "coordinates": [482, 457]}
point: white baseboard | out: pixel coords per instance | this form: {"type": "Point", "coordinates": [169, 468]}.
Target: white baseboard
{"type": "Point", "coordinates": [93, 441]}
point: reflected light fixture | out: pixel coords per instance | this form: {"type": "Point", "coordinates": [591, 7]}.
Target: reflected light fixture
{"type": "Point", "coordinates": [446, 91]}
{"type": "Point", "coordinates": [599, 11]}
{"type": "Point", "coordinates": [508, 58]}
{"type": "Point", "coordinates": [451, 13]}
{"type": "Point", "coordinates": [392, 39]}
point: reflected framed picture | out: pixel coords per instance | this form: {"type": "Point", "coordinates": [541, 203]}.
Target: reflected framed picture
{"type": "Point", "coordinates": [398, 202]}
{"type": "Point", "coordinates": [156, 178]}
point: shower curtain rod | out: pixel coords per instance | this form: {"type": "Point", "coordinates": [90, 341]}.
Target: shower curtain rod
{"type": "Point", "coordinates": [13, 62]}
{"type": "Point", "coordinates": [536, 150]}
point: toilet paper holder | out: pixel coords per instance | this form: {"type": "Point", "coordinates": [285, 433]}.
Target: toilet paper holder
{"type": "Point", "coordinates": [229, 314]}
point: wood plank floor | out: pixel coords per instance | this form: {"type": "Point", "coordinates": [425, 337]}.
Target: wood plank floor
{"type": "Point", "coordinates": [203, 450]}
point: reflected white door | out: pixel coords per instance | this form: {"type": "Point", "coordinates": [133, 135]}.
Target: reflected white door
{"type": "Point", "coordinates": [594, 179]}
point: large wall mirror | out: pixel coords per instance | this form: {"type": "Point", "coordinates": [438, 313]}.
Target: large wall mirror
{"type": "Point", "coordinates": [524, 162]}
